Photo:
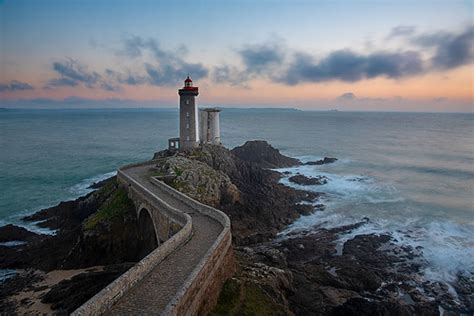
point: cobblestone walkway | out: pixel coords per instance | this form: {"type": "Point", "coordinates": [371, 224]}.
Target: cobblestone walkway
{"type": "Point", "coordinates": [152, 294]}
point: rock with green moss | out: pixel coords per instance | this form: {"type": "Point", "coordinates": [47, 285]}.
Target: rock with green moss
{"type": "Point", "coordinates": [242, 298]}
{"type": "Point", "coordinates": [197, 180]}
{"type": "Point", "coordinates": [115, 208]}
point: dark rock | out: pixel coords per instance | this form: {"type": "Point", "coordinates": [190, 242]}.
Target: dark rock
{"type": "Point", "coordinates": [262, 154]}
{"type": "Point", "coordinates": [320, 207]}
{"type": "Point", "coordinates": [68, 295]}
{"type": "Point", "coordinates": [163, 154]}
{"type": "Point", "coordinates": [324, 161]}
{"type": "Point", "coordinates": [76, 245]}
{"type": "Point", "coordinates": [303, 180]}
{"type": "Point", "coordinates": [366, 278]}
{"type": "Point", "coordinates": [361, 306]}
{"type": "Point", "coordinates": [304, 209]}
{"type": "Point", "coordinates": [67, 215]}
{"type": "Point", "coordinates": [12, 233]}
{"type": "Point", "coordinates": [264, 206]}
{"type": "Point", "coordinates": [13, 286]}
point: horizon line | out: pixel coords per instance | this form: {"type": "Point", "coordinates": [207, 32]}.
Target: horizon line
{"type": "Point", "coordinates": [2, 109]}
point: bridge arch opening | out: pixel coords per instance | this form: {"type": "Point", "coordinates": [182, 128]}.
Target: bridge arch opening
{"type": "Point", "coordinates": [147, 235]}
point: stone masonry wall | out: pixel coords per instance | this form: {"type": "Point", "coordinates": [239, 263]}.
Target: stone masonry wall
{"type": "Point", "coordinates": [200, 291]}
{"type": "Point", "coordinates": [103, 300]}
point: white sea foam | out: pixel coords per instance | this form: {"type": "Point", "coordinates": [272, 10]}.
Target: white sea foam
{"type": "Point", "coordinates": [447, 247]}
{"type": "Point", "coordinates": [6, 274]}
{"type": "Point", "coordinates": [349, 188]}
{"type": "Point", "coordinates": [16, 219]}
{"type": "Point", "coordinates": [83, 187]}
{"type": "Point", "coordinates": [12, 243]}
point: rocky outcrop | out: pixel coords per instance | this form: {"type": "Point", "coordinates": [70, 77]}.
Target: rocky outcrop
{"type": "Point", "coordinates": [359, 280]}
{"type": "Point", "coordinates": [14, 233]}
{"type": "Point", "coordinates": [325, 160]}
{"type": "Point", "coordinates": [68, 295]}
{"type": "Point", "coordinates": [197, 180]}
{"type": "Point", "coordinates": [262, 154]}
{"type": "Point", "coordinates": [304, 180]}
{"type": "Point", "coordinates": [250, 195]}
{"type": "Point", "coordinates": [97, 229]}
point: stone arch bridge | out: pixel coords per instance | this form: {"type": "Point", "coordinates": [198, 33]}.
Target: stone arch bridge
{"type": "Point", "coordinates": [193, 258]}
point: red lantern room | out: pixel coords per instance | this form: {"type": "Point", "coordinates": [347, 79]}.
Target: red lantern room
{"type": "Point", "coordinates": [188, 83]}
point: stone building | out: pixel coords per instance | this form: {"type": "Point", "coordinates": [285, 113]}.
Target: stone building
{"type": "Point", "coordinates": [209, 131]}
{"type": "Point", "coordinates": [191, 132]}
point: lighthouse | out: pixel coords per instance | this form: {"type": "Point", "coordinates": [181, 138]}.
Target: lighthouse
{"type": "Point", "coordinates": [188, 116]}
{"type": "Point", "coordinates": [194, 128]}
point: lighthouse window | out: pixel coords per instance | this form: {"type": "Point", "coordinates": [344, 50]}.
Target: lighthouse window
{"type": "Point", "coordinates": [187, 101]}
{"type": "Point", "coordinates": [187, 138]}
{"type": "Point", "coordinates": [187, 126]}
{"type": "Point", "coordinates": [187, 114]}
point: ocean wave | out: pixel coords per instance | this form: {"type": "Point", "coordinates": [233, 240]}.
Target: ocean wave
{"type": "Point", "coordinates": [83, 187]}
{"type": "Point", "coordinates": [12, 243]}
{"type": "Point", "coordinates": [17, 220]}
{"type": "Point", "coordinates": [6, 274]}
{"type": "Point", "coordinates": [447, 247]}
{"type": "Point", "coordinates": [308, 158]}
{"type": "Point", "coordinates": [350, 188]}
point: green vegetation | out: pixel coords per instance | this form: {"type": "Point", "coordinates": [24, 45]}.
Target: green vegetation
{"type": "Point", "coordinates": [197, 153]}
{"type": "Point", "coordinates": [116, 206]}
{"type": "Point", "coordinates": [201, 189]}
{"type": "Point", "coordinates": [244, 299]}
{"type": "Point", "coordinates": [178, 171]}
{"type": "Point", "coordinates": [228, 299]}
{"type": "Point", "coordinates": [107, 188]}
{"type": "Point", "coordinates": [178, 185]}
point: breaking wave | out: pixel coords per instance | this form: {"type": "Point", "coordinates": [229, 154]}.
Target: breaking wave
{"type": "Point", "coordinates": [447, 247]}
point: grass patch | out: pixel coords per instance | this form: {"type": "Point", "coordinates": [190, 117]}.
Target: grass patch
{"type": "Point", "coordinates": [107, 188]}
{"type": "Point", "coordinates": [115, 207]}
{"type": "Point", "coordinates": [178, 171]}
{"type": "Point", "coordinates": [201, 189]}
{"type": "Point", "coordinates": [228, 299]}
{"type": "Point", "coordinates": [245, 300]}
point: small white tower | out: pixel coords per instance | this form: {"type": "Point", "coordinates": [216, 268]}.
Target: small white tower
{"type": "Point", "coordinates": [209, 130]}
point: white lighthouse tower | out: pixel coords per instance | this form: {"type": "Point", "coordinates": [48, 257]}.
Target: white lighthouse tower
{"type": "Point", "coordinates": [188, 116]}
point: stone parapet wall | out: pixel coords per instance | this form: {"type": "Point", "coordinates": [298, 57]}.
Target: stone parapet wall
{"type": "Point", "coordinates": [144, 195]}
{"type": "Point", "coordinates": [103, 300]}
{"type": "Point", "coordinates": [199, 293]}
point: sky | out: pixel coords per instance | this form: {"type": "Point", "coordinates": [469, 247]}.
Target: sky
{"type": "Point", "coordinates": [314, 55]}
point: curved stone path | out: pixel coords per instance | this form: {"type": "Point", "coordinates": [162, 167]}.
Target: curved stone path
{"type": "Point", "coordinates": [152, 294]}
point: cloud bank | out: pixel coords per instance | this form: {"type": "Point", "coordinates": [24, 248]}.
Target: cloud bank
{"type": "Point", "coordinates": [167, 68]}
{"type": "Point", "coordinates": [272, 61]}
{"type": "Point", "coordinates": [15, 85]}
{"type": "Point", "coordinates": [448, 50]}
{"type": "Point", "coordinates": [72, 73]}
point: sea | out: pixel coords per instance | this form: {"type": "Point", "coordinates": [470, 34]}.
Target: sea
{"type": "Point", "coordinates": [410, 174]}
